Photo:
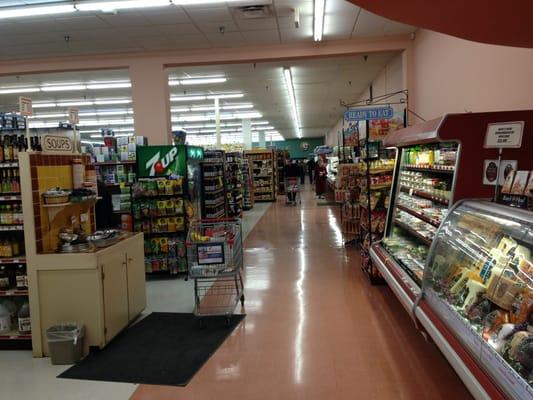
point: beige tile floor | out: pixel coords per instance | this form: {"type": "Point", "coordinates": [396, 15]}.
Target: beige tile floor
{"type": "Point", "coordinates": [315, 328]}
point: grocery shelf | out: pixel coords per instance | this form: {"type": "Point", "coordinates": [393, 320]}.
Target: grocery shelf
{"type": "Point", "coordinates": [419, 215]}
{"type": "Point", "coordinates": [112, 163]}
{"type": "Point", "coordinates": [413, 232]}
{"type": "Point", "coordinates": [13, 164]}
{"type": "Point", "coordinates": [425, 195]}
{"type": "Point", "coordinates": [377, 171]}
{"type": "Point", "coordinates": [163, 233]}
{"type": "Point", "coordinates": [10, 198]}
{"type": "Point", "coordinates": [13, 260]}
{"type": "Point", "coordinates": [13, 293]}
{"type": "Point", "coordinates": [444, 170]}
{"type": "Point", "coordinates": [9, 228]}
{"type": "Point", "coordinates": [381, 186]}
{"type": "Point", "coordinates": [118, 184]}
{"type": "Point", "coordinates": [14, 335]}
{"type": "Point", "coordinates": [122, 211]}
{"type": "Point", "coordinates": [210, 191]}
{"type": "Point", "coordinates": [158, 195]}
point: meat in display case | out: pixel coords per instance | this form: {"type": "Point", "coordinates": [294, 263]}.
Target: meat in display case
{"type": "Point", "coordinates": [480, 283]}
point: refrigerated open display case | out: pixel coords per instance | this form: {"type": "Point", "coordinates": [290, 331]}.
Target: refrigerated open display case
{"type": "Point", "coordinates": [442, 256]}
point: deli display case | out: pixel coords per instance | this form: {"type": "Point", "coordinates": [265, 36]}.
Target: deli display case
{"type": "Point", "coordinates": [479, 283]}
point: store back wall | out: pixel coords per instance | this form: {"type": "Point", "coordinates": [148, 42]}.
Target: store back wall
{"type": "Point", "coordinates": [294, 146]}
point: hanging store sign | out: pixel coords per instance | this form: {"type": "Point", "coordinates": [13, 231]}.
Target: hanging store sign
{"type": "Point", "coordinates": [160, 160]}
{"type": "Point", "coordinates": [25, 106]}
{"type": "Point", "coordinates": [503, 135]}
{"type": "Point", "coordinates": [362, 114]}
{"type": "Point", "coordinates": [57, 144]}
{"type": "Point", "coordinates": [73, 116]}
{"type": "Point", "coordinates": [195, 153]}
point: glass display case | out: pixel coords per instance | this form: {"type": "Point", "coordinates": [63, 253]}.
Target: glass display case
{"type": "Point", "coordinates": [423, 191]}
{"type": "Point", "coordinates": [479, 282]}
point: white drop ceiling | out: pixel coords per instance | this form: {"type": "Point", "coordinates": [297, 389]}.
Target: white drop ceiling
{"type": "Point", "coordinates": [182, 27]}
{"type": "Point", "coordinates": [319, 86]}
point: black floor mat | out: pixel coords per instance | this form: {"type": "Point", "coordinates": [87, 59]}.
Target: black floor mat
{"type": "Point", "coordinates": [162, 349]}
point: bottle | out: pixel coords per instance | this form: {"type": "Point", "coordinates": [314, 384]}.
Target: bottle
{"type": "Point", "coordinates": [10, 148]}
{"type": "Point", "coordinates": [5, 319]}
{"type": "Point", "coordinates": [15, 248]}
{"type": "Point", "coordinates": [8, 215]}
{"type": "Point", "coordinates": [4, 278]}
{"type": "Point", "coordinates": [21, 278]}
{"type": "Point", "coordinates": [1, 149]}
{"type": "Point", "coordinates": [16, 181]}
{"type": "Point", "coordinates": [15, 150]}
{"type": "Point", "coordinates": [7, 154]}
{"type": "Point", "coordinates": [24, 319]}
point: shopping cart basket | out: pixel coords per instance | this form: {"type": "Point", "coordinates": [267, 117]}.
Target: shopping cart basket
{"type": "Point", "coordinates": [214, 255]}
{"type": "Point", "coordinates": [292, 190]}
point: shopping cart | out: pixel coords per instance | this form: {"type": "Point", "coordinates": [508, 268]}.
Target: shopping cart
{"type": "Point", "coordinates": [214, 255]}
{"type": "Point", "coordinates": [292, 189]}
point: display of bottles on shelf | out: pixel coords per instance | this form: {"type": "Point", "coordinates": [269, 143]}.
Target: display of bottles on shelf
{"type": "Point", "coordinates": [234, 184]}
{"type": "Point", "coordinates": [248, 188]}
{"type": "Point", "coordinates": [13, 278]}
{"type": "Point", "coordinates": [9, 180]}
{"type": "Point", "coordinates": [15, 322]}
{"type": "Point", "coordinates": [214, 185]}
{"type": "Point", "coordinates": [440, 156]}
{"type": "Point", "coordinates": [11, 247]}
{"type": "Point", "coordinates": [11, 214]}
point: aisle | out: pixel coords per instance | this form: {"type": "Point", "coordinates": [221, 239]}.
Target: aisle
{"type": "Point", "coordinates": [315, 328]}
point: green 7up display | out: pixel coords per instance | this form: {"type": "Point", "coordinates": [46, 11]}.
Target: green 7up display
{"type": "Point", "coordinates": [153, 161]}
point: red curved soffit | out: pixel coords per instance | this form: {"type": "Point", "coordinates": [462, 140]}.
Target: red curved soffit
{"type": "Point", "coordinates": [507, 23]}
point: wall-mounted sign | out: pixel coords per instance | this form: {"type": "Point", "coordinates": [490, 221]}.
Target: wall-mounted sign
{"type": "Point", "coordinates": [504, 135]}
{"type": "Point", "coordinates": [362, 114]}
{"type": "Point", "coordinates": [57, 144]}
{"type": "Point", "coordinates": [73, 116]}
{"type": "Point", "coordinates": [25, 106]}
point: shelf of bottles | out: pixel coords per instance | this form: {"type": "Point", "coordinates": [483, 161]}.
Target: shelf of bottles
{"type": "Point", "coordinates": [262, 165]}
{"type": "Point", "coordinates": [158, 212]}
{"type": "Point", "coordinates": [424, 192]}
{"type": "Point", "coordinates": [248, 187]}
{"type": "Point", "coordinates": [214, 185]}
{"type": "Point", "coordinates": [234, 184]}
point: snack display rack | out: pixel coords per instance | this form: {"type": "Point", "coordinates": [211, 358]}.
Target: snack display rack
{"type": "Point", "coordinates": [263, 174]}
{"type": "Point", "coordinates": [214, 204]}
{"type": "Point", "coordinates": [281, 158]}
{"type": "Point", "coordinates": [348, 188]}
{"type": "Point", "coordinates": [462, 269]}
{"type": "Point", "coordinates": [159, 212]}
{"type": "Point", "coordinates": [248, 185]}
{"type": "Point", "coordinates": [234, 184]}
{"type": "Point", "coordinates": [375, 180]}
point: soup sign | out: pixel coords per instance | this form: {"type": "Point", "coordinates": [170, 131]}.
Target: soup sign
{"type": "Point", "coordinates": [57, 144]}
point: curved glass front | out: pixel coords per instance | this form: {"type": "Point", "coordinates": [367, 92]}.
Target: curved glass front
{"type": "Point", "coordinates": [479, 280]}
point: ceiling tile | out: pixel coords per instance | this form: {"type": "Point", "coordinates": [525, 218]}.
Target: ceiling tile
{"type": "Point", "coordinates": [125, 19]}
{"type": "Point", "coordinates": [369, 24]}
{"type": "Point", "coordinates": [229, 39]}
{"type": "Point", "coordinates": [263, 37]}
{"type": "Point", "coordinates": [209, 14]}
{"type": "Point", "coordinates": [213, 27]}
{"type": "Point", "coordinates": [256, 24]}
{"type": "Point", "coordinates": [178, 29]}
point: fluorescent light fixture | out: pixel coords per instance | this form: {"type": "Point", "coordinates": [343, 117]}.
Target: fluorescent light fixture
{"type": "Point", "coordinates": [44, 105]}
{"type": "Point", "coordinates": [121, 5]}
{"type": "Point", "coordinates": [74, 103]}
{"type": "Point", "coordinates": [292, 98]}
{"type": "Point", "coordinates": [36, 11]}
{"type": "Point", "coordinates": [202, 81]}
{"type": "Point", "coordinates": [211, 117]}
{"type": "Point", "coordinates": [45, 116]}
{"type": "Point", "coordinates": [118, 85]}
{"type": "Point", "coordinates": [318, 21]}
{"type": "Point", "coordinates": [237, 106]}
{"type": "Point", "coordinates": [61, 88]}
{"type": "Point", "coordinates": [116, 135]}
{"type": "Point", "coordinates": [19, 90]}
{"type": "Point", "coordinates": [225, 96]}
{"type": "Point", "coordinates": [101, 102]}
{"type": "Point", "coordinates": [187, 98]}
{"type": "Point", "coordinates": [92, 142]}
{"type": "Point", "coordinates": [179, 109]}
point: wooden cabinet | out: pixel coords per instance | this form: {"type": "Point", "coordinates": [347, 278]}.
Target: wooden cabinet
{"type": "Point", "coordinates": [104, 291]}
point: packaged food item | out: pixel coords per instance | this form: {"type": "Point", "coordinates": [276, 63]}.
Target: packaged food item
{"type": "Point", "coordinates": [493, 321]}
{"type": "Point", "coordinates": [5, 283]}
{"type": "Point", "coordinates": [169, 187]}
{"type": "Point", "coordinates": [162, 207]}
{"type": "Point", "coordinates": [163, 245]}
{"type": "Point", "coordinates": [502, 290]}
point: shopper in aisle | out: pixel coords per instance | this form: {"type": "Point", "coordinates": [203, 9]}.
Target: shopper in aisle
{"type": "Point", "coordinates": [291, 173]}
{"type": "Point", "coordinates": [311, 165]}
{"type": "Point", "coordinates": [301, 171]}
{"type": "Point", "coordinates": [320, 178]}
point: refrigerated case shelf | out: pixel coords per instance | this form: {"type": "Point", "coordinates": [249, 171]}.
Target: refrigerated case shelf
{"type": "Point", "coordinates": [413, 232]}
{"type": "Point", "coordinates": [445, 169]}
{"type": "Point", "coordinates": [419, 215]}
{"type": "Point", "coordinates": [425, 195]}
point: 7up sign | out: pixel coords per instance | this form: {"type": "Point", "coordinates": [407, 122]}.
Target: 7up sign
{"type": "Point", "coordinates": [160, 160]}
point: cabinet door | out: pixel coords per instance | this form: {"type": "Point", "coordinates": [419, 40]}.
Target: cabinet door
{"type": "Point", "coordinates": [115, 295]}
{"type": "Point", "coordinates": [136, 278]}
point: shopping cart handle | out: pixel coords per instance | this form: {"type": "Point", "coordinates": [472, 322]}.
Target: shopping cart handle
{"type": "Point", "coordinates": [217, 220]}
